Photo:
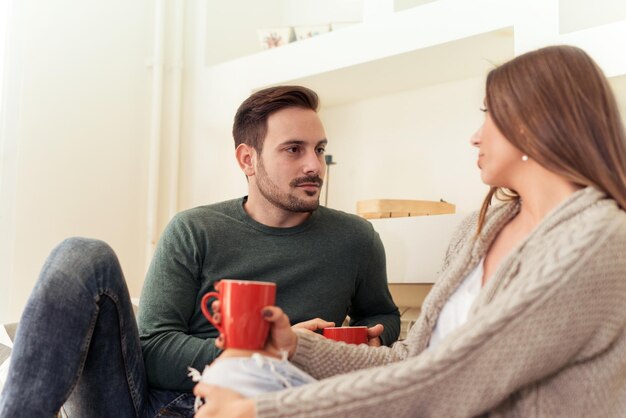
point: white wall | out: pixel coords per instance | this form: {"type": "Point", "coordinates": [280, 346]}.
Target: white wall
{"type": "Point", "coordinates": [581, 14]}
{"type": "Point", "coordinates": [76, 159]}
{"type": "Point", "coordinates": [231, 27]}
{"type": "Point", "coordinates": [411, 145]}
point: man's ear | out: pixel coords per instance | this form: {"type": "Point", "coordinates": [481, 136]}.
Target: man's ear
{"type": "Point", "coordinates": [246, 158]}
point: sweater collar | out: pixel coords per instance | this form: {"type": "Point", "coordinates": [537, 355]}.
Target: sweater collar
{"type": "Point", "coordinates": [500, 215]}
{"type": "Point", "coordinates": [571, 207]}
{"type": "Point", "coordinates": [243, 216]}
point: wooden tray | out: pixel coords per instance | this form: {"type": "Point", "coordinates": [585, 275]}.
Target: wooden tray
{"type": "Point", "coordinates": [390, 208]}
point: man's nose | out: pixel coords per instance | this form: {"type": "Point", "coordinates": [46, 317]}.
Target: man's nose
{"type": "Point", "coordinates": [314, 163]}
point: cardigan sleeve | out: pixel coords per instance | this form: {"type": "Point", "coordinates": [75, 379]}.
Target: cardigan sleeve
{"type": "Point", "coordinates": [548, 319]}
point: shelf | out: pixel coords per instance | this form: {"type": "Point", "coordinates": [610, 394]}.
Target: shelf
{"type": "Point", "coordinates": [391, 208]}
{"type": "Point", "coordinates": [461, 59]}
{"type": "Point", "coordinates": [407, 50]}
{"type": "Point", "coordinates": [427, 45]}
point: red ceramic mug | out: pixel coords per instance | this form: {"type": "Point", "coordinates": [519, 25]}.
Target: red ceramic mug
{"type": "Point", "coordinates": [350, 335]}
{"type": "Point", "coordinates": [242, 324]}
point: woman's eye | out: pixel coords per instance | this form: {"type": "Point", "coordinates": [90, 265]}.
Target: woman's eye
{"type": "Point", "coordinates": [483, 109]}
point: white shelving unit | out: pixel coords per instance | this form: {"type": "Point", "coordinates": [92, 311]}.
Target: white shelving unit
{"type": "Point", "coordinates": [424, 45]}
{"type": "Point", "coordinates": [416, 245]}
{"type": "Point", "coordinates": [459, 36]}
{"type": "Point", "coordinates": [397, 91]}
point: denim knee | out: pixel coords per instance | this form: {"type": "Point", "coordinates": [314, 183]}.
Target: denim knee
{"type": "Point", "coordinates": [86, 248]}
{"type": "Point", "coordinates": [82, 260]}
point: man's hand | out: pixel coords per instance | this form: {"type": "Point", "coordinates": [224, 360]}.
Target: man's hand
{"type": "Point", "coordinates": [222, 403]}
{"type": "Point", "coordinates": [373, 335]}
{"type": "Point", "coordinates": [313, 325]}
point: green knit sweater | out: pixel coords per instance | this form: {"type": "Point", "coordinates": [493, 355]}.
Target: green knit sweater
{"type": "Point", "coordinates": [330, 266]}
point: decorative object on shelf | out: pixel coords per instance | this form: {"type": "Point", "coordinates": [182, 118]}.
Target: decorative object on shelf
{"type": "Point", "coordinates": [305, 32]}
{"type": "Point", "coordinates": [275, 37]}
{"type": "Point", "coordinates": [389, 208]}
{"type": "Point", "coordinates": [329, 161]}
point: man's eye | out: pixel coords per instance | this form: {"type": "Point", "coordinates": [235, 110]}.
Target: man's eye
{"type": "Point", "coordinates": [321, 150]}
{"type": "Point", "coordinates": [292, 149]}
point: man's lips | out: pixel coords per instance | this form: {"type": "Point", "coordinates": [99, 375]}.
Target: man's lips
{"type": "Point", "coordinates": [309, 185]}
{"type": "Point", "coordinates": [308, 182]}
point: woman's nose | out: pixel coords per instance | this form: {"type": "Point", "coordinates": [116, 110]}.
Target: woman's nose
{"type": "Point", "coordinates": [475, 138]}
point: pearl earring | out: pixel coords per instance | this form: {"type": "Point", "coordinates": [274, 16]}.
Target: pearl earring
{"type": "Point", "coordinates": [524, 157]}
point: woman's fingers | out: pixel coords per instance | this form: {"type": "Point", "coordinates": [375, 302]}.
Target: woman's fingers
{"type": "Point", "coordinates": [221, 402]}
{"type": "Point", "coordinates": [220, 342]}
{"type": "Point", "coordinates": [282, 337]}
{"type": "Point", "coordinates": [217, 317]}
{"type": "Point", "coordinates": [215, 307]}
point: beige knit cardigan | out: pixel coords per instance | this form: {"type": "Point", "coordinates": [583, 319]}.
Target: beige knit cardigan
{"type": "Point", "coordinates": [545, 338]}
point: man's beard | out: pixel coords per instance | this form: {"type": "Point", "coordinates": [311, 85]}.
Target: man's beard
{"type": "Point", "coordinates": [287, 201]}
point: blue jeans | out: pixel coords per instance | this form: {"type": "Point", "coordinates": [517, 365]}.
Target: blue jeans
{"type": "Point", "coordinates": [77, 344]}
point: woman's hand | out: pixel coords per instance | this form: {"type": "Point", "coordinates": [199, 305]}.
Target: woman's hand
{"type": "Point", "coordinates": [282, 337]}
{"type": "Point", "coordinates": [223, 403]}
{"type": "Point", "coordinates": [217, 317]}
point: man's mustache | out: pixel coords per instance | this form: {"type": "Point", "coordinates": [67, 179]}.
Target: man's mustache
{"type": "Point", "coordinates": [308, 179]}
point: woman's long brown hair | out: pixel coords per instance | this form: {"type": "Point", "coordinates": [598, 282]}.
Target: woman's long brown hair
{"type": "Point", "coordinates": [557, 107]}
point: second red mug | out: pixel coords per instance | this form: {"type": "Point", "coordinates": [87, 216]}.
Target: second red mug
{"type": "Point", "coordinates": [350, 335]}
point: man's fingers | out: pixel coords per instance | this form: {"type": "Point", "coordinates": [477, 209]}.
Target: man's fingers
{"type": "Point", "coordinates": [373, 335]}
{"type": "Point", "coordinates": [314, 324]}
{"type": "Point", "coordinates": [375, 331]}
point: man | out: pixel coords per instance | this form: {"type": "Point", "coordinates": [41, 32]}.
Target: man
{"type": "Point", "coordinates": [327, 264]}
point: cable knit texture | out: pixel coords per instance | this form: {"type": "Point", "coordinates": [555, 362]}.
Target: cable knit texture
{"type": "Point", "coordinates": [545, 337]}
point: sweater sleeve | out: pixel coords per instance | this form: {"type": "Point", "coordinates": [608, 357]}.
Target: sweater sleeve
{"type": "Point", "coordinates": [168, 301]}
{"type": "Point", "coordinates": [570, 313]}
{"type": "Point", "coordinates": [372, 303]}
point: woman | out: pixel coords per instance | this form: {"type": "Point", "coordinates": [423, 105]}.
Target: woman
{"type": "Point", "coordinates": [545, 333]}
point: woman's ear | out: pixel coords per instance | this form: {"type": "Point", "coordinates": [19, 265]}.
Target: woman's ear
{"type": "Point", "coordinates": [246, 157]}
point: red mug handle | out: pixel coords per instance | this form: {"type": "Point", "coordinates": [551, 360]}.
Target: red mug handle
{"type": "Point", "coordinates": [207, 313]}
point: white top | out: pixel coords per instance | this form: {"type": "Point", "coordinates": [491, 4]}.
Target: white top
{"type": "Point", "coordinates": [455, 311]}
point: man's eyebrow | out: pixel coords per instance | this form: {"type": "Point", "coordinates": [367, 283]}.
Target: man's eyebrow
{"type": "Point", "coordinates": [300, 142]}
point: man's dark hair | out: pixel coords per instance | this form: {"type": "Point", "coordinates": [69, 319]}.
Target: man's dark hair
{"type": "Point", "coordinates": [250, 125]}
